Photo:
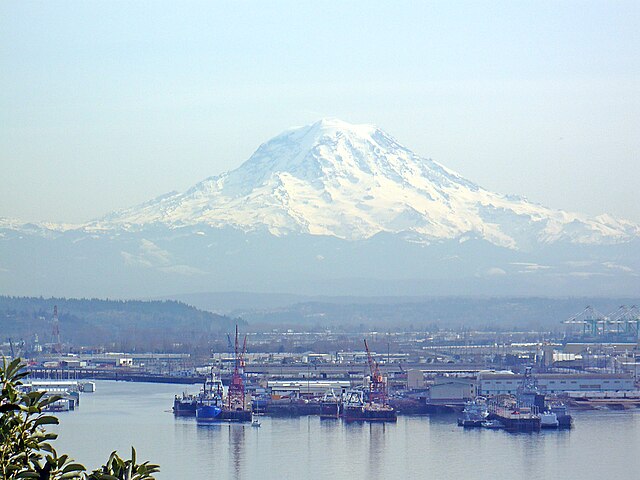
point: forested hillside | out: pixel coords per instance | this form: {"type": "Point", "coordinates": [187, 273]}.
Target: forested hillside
{"type": "Point", "coordinates": [121, 324]}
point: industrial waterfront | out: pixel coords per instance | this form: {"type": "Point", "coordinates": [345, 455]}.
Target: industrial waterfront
{"type": "Point", "coordinates": [509, 404]}
{"type": "Point", "coordinates": [603, 444]}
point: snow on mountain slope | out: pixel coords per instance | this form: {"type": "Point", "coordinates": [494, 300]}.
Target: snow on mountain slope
{"type": "Point", "coordinates": [353, 181]}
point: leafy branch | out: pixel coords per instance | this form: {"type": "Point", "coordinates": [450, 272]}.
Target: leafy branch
{"type": "Point", "coordinates": [25, 445]}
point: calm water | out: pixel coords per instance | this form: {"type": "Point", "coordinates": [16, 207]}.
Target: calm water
{"type": "Point", "coordinates": [118, 415]}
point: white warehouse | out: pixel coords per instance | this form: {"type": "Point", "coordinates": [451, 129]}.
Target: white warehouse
{"type": "Point", "coordinates": [490, 383]}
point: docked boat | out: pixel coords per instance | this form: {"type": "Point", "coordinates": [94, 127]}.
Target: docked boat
{"type": "Point", "coordinates": [549, 420]}
{"type": "Point", "coordinates": [236, 406]}
{"type": "Point", "coordinates": [565, 420]}
{"type": "Point", "coordinates": [374, 407]}
{"type": "Point", "coordinates": [255, 421]}
{"type": "Point", "coordinates": [492, 424]}
{"type": "Point", "coordinates": [356, 409]}
{"type": "Point", "coordinates": [330, 405]}
{"type": "Point", "coordinates": [208, 413]}
{"type": "Point", "coordinates": [186, 405]}
{"type": "Point", "coordinates": [209, 405]}
{"type": "Point", "coordinates": [210, 394]}
{"type": "Point", "coordinates": [215, 409]}
{"type": "Point", "coordinates": [474, 414]}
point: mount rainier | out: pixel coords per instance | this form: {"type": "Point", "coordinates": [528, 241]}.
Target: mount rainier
{"type": "Point", "coordinates": [354, 181]}
{"type": "Point", "coordinates": [326, 208]}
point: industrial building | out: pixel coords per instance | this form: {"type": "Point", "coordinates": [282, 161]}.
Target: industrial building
{"type": "Point", "coordinates": [451, 390]}
{"type": "Point", "coordinates": [491, 383]}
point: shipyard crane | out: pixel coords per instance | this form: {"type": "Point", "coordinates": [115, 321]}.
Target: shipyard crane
{"type": "Point", "coordinates": [378, 384]}
{"type": "Point", "coordinates": [236, 395]}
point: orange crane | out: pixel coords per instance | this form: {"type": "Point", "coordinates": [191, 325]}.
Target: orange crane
{"type": "Point", "coordinates": [378, 384]}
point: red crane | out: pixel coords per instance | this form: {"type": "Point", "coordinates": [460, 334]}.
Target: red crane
{"type": "Point", "coordinates": [236, 395]}
{"type": "Point", "coordinates": [378, 384]}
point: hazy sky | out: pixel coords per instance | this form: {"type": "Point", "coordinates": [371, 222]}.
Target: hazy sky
{"type": "Point", "coordinates": [107, 104]}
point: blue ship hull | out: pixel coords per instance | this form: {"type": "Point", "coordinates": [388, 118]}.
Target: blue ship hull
{"type": "Point", "coordinates": [208, 413]}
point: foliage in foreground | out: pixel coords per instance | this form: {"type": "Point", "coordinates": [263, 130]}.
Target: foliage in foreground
{"type": "Point", "coordinates": [25, 445]}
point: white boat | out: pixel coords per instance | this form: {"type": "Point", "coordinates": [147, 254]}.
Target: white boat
{"type": "Point", "coordinates": [255, 422]}
{"type": "Point", "coordinates": [475, 412]}
{"type": "Point", "coordinates": [492, 424]}
{"type": "Point", "coordinates": [549, 420]}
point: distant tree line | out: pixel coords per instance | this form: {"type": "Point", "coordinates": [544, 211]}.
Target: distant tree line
{"type": "Point", "coordinates": [124, 325]}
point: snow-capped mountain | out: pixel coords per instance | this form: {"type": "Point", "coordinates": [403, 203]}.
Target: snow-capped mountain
{"type": "Point", "coordinates": [330, 208]}
{"type": "Point", "coordinates": [354, 181]}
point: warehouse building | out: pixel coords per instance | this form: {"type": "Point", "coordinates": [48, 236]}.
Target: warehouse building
{"type": "Point", "coordinates": [490, 383]}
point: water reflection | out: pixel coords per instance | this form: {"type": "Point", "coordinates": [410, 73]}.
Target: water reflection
{"type": "Point", "coordinates": [376, 448]}
{"type": "Point", "coordinates": [331, 450]}
{"type": "Point", "coordinates": [236, 445]}
{"type": "Point", "coordinates": [223, 441]}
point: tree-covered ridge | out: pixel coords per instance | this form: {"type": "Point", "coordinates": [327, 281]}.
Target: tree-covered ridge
{"type": "Point", "coordinates": [121, 324]}
{"type": "Point", "coordinates": [79, 306]}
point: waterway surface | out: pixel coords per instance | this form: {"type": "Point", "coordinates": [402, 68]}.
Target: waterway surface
{"type": "Point", "coordinates": [118, 415]}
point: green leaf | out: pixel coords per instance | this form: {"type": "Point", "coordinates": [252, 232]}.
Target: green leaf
{"type": "Point", "coordinates": [73, 467]}
{"type": "Point", "coordinates": [9, 407]}
{"type": "Point", "coordinates": [46, 420]}
{"type": "Point", "coordinates": [28, 475]}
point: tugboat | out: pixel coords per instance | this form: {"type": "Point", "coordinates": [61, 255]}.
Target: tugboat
{"type": "Point", "coordinates": [211, 401]}
{"type": "Point", "coordinates": [475, 413]}
{"type": "Point", "coordinates": [548, 420]}
{"type": "Point", "coordinates": [375, 408]}
{"type": "Point", "coordinates": [561, 411]}
{"type": "Point", "coordinates": [210, 393]}
{"type": "Point", "coordinates": [186, 405]}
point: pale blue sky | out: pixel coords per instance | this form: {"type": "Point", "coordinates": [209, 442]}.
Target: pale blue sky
{"type": "Point", "coordinates": [106, 104]}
